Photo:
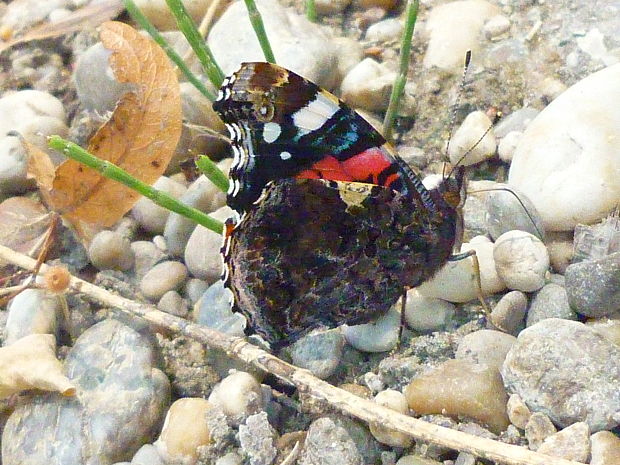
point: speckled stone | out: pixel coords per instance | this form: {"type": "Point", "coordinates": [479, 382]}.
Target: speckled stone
{"type": "Point", "coordinates": [550, 302]}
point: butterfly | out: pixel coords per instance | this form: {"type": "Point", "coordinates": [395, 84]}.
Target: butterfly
{"type": "Point", "coordinates": [329, 224]}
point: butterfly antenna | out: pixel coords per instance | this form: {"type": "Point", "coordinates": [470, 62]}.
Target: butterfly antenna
{"type": "Point", "coordinates": [455, 106]}
{"type": "Point", "coordinates": [470, 149]}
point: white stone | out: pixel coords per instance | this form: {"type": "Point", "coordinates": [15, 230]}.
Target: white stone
{"type": "Point", "coordinates": [467, 138]}
{"type": "Point", "coordinates": [13, 166]}
{"type": "Point", "coordinates": [496, 26]}
{"type": "Point", "coordinates": [521, 260]}
{"type": "Point", "coordinates": [150, 216]}
{"type": "Point", "coordinates": [163, 277]}
{"type": "Point", "coordinates": [379, 336]}
{"type": "Point", "coordinates": [427, 314]}
{"type": "Point", "coordinates": [387, 30]}
{"type": "Point", "coordinates": [456, 281]}
{"type": "Point", "coordinates": [394, 400]}
{"type": "Point", "coordinates": [32, 311]}
{"type": "Point", "coordinates": [567, 160]}
{"type": "Point", "coordinates": [368, 85]}
{"type": "Point", "coordinates": [238, 395]}
{"type": "Point", "coordinates": [17, 110]}
{"type": "Point", "coordinates": [454, 28]}
{"type": "Point", "coordinates": [330, 7]}
{"type": "Point", "coordinates": [110, 250]}
{"type": "Point", "coordinates": [508, 145]}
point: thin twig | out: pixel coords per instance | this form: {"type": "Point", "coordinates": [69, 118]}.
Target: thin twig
{"type": "Point", "coordinates": [346, 402]}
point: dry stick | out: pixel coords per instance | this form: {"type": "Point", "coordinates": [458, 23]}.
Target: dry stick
{"type": "Point", "coordinates": [306, 383]}
{"type": "Point", "coordinates": [203, 29]}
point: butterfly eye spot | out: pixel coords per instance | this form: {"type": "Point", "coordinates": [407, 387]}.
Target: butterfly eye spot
{"type": "Point", "coordinates": [285, 155]}
{"type": "Point", "coordinates": [265, 112]}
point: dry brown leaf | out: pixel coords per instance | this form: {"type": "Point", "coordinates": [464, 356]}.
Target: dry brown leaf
{"type": "Point", "coordinates": [23, 223]}
{"type": "Point", "coordinates": [140, 137]}
{"type": "Point", "coordinates": [90, 15]}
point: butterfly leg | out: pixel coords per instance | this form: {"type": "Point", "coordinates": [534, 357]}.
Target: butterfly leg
{"type": "Point", "coordinates": [476, 264]}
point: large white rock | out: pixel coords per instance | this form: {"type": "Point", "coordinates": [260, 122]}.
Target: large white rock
{"type": "Point", "coordinates": [567, 161]}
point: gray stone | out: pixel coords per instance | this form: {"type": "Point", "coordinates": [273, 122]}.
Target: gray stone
{"type": "Point", "coordinates": [146, 256]}
{"type": "Point", "coordinates": [32, 311]}
{"type": "Point", "coordinates": [507, 209]}
{"type": "Point", "coordinates": [147, 455]}
{"type": "Point", "coordinates": [593, 287]}
{"type": "Point", "coordinates": [120, 403]}
{"type": "Point", "coordinates": [515, 121]}
{"type": "Point", "coordinates": [485, 346]}
{"type": "Point", "coordinates": [13, 166]}
{"type": "Point", "coordinates": [379, 336]}
{"type": "Point", "coordinates": [537, 429]}
{"type": "Point", "coordinates": [550, 302]}
{"type": "Point", "coordinates": [518, 413]}
{"type": "Point", "coordinates": [194, 289]}
{"type": "Point", "coordinates": [109, 250]}
{"type": "Point", "coordinates": [163, 277]}
{"type": "Point", "coordinates": [172, 302]}
{"type": "Point", "coordinates": [387, 30]}
{"type": "Point", "coordinates": [319, 352]}
{"type": "Point", "coordinates": [427, 314]}
{"type": "Point", "coordinates": [150, 216]}
{"type": "Point", "coordinates": [329, 444]}
{"type": "Point", "coordinates": [572, 443]}
{"type": "Point", "coordinates": [509, 313]}
{"type": "Point", "coordinates": [605, 448]}
{"type": "Point", "coordinates": [567, 371]}
{"type": "Point", "coordinates": [213, 310]}
{"type": "Point", "coordinates": [257, 439]}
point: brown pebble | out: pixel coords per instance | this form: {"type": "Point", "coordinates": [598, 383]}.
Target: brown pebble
{"type": "Point", "coordinates": [537, 429]}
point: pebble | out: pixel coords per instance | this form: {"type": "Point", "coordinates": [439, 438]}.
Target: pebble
{"type": "Point", "coordinates": [550, 302]}
{"type": "Point", "coordinates": [238, 395]}
{"type": "Point", "coordinates": [521, 260]}
{"type": "Point", "coordinates": [315, 60]}
{"type": "Point", "coordinates": [551, 88]}
{"type": "Point", "coordinates": [466, 139]}
{"type": "Point", "coordinates": [456, 281]}
{"type": "Point", "coordinates": [383, 4]}
{"type": "Point", "coordinates": [486, 346]}
{"type": "Point", "coordinates": [110, 250]}
{"type": "Point", "coordinates": [257, 439]}
{"type": "Point", "coordinates": [202, 253]}
{"type": "Point", "coordinates": [350, 53]}
{"type": "Point", "coordinates": [329, 443]}
{"type": "Point", "coordinates": [378, 336]}
{"type": "Point", "coordinates": [150, 216]}
{"type": "Point", "coordinates": [567, 159]}
{"type": "Point", "coordinates": [385, 31]}
{"type": "Point", "coordinates": [158, 12]}
{"type": "Point", "coordinates": [495, 27]}
{"type": "Point", "coordinates": [172, 302]}
{"type": "Point", "coordinates": [561, 251]}
{"type": "Point", "coordinates": [597, 240]}
{"type": "Point", "coordinates": [605, 448]}
{"type": "Point", "coordinates": [509, 313]}
{"type": "Point", "coordinates": [461, 388]}
{"type": "Point", "coordinates": [21, 15]}
{"type": "Point", "coordinates": [416, 460]}
{"type": "Point", "coordinates": [146, 256]}
{"type": "Point", "coordinates": [213, 310]}
{"type": "Point", "coordinates": [427, 314]}
{"type": "Point", "coordinates": [572, 443]}
{"type": "Point", "coordinates": [368, 85]}
{"type": "Point", "coordinates": [609, 328]}
{"type": "Point", "coordinates": [330, 7]}
{"type": "Point", "coordinates": [396, 401]}
{"type": "Point", "coordinates": [537, 429]}
{"type": "Point", "coordinates": [567, 371]}
{"type": "Point", "coordinates": [454, 28]}
{"type": "Point", "coordinates": [508, 144]}
{"type": "Point", "coordinates": [194, 289]}
{"type": "Point", "coordinates": [120, 396]}
{"type": "Point", "coordinates": [320, 352]}
{"type": "Point", "coordinates": [508, 209]}
{"type": "Point", "coordinates": [518, 120]}
{"type": "Point", "coordinates": [163, 277]}
{"type": "Point", "coordinates": [13, 166]}
{"type": "Point", "coordinates": [230, 459]}
{"type": "Point", "coordinates": [518, 413]}
{"type": "Point", "coordinates": [32, 311]}
{"type": "Point", "coordinates": [185, 429]}
{"type": "Point", "coordinates": [593, 286]}
{"type": "Point", "coordinates": [147, 455]}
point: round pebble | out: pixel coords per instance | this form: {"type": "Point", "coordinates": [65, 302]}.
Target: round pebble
{"type": "Point", "coordinates": [22, 108]}
{"type": "Point", "coordinates": [238, 395]}
{"type": "Point", "coordinates": [508, 144]}
{"type": "Point", "coordinates": [537, 429]}
{"type": "Point", "coordinates": [213, 310]}
{"type": "Point", "coordinates": [517, 121]}
{"type": "Point", "coordinates": [150, 216]}
{"type": "Point", "coordinates": [509, 313]}
{"type": "Point", "coordinates": [396, 401]}
{"type": "Point", "coordinates": [163, 277]}
{"type": "Point", "coordinates": [566, 161]}
{"type": "Point", "coordinates": [495, 27]}
{"type": "Point", "coordinates": [466, 140]}
{"type": "Point", "coordinates": [320, 353]}
{"type": "Point", "coordinates": [550, 302]}
{"type": "Point", "coordinates": [32, 311]}
{"type": "Point", "coordinates": [593, 286]}
{"type": "Point", "coordinates": [605, 448]}
{"type": "Point", "coordinates": [384, 31]}
{"type": "Point", "coordinates": [426, 314]}
{"type": "Point", "coordinates": [13, 166]}
{"type": "Point", "coordinates": [561, 250]}
{"type": "Point", "coordinates": [508, 209]}
{"type": "Point", "coordinates": [172, 302]}
{"type": "Point", "coordinates": [567, 371]}
{"type": "Point", "coordinates": [485, 346]}
{"type": "Point", "coordinates": [146, 256]}
{"type": "Point", "coordinates": [110, 250]}
{"type": "Point", "coordinates": [572, 443]}
{"type": "Point", "coordinates": [379, 336]}
{"type": "Point", "coordinates": [518, 413]}
{"type": "Point", "coordinates": [147, 455]}
{"type": "Point", "coordinates": [194, 289]}
{"type": "Point", "coordinates": [521, 260]}
{"type": "Point", "coordinates": [368, 85]}
{"type": "Point", "coordinates": [330, 7]}
{"type": "Point", "coordinates": [185, 429]}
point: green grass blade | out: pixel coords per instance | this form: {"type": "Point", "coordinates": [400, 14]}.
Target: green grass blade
{"type": "Point", "coordinates": [144, 23]}
{"type": "Point", "coordinates": [212, 172]}
{"type": "Point", "coordinates": [111, 171]}
{"type": "Point", "coordinates": [311, 11]}
{"type": "Point", "coordinates": [401, 78]}
{"type": "Point", "coordinates": [197, 42]}
{"type": "Point", "coordinates": [259, 29]}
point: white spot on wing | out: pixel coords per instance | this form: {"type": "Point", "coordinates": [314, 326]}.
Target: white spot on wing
{"type": "Point", "coordinates": [315, 114]}
{"type": "Point", "coordinates": [285, 155]}
{"type": "Point", "coordinates": [271, 131]}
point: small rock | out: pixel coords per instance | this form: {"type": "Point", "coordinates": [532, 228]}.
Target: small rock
{"type": "Point", "coordinates": [202, 253]}
{"type": "Point", "coordinates": [609, 328]}
{"type": "Point", "coordinates": [495, 27]}
{"type": "Point", "coordinates": [461, 388]}
{"type": "Point", "coordinates": [109, 250]}
{"type": "Point", "coordinates": [238, 395]}
{"type": "Point", "coordinates": [327, 444]}
{"type": "Point", "coordinates": [572, 443]}
{"type": "Point", "coordinates": [146, 256]}
{"type": "Point", "coordinates": [330, 7]}
{"type": "Point", "coordinates": [560, 247]}
{"type": "Point", "coordinates": [194, 289]}
{"type": "Point", "coordinates": [521, 260]}
{"type": "Point", "coordinates": [185, 429]}
{"type": "Point", "coordinates": [319, 352]}
{"type": "Point", "coordinates": [368, 85]}
{"type": "Point", "coordinates": [509, 313]}
{"type": "Point", "coordinates": [508, 144]}
{"type": "Point", "coordinates": [147, 455]}
{"type": "Point", "coordinates": [230, 459]}
{"type": "Point", "coordinates": [163, 277]}
{"type": "Point", "coordinates": [598, 240]}
{"type": "Point", "coordinates": [567, 371]}
{"type": "Point", "coordinates": [151, 217]}
{"type": "Point", "coordinates": [485, 346]}
{"type": "Point", "coordinates": [384, 31]}
{"type": "Point", "coordinates": [172, 302]}
{"type": "Point", "coordinates": [605, 448]}
{"type": "Point", "coordinates": [537, 429]}
{"type": "Point", "coordinates": [508, 210]}
{"type": "Point", "coordinates": [350, 53]}
{"type": "Point", "coordinates": [13, 166]}
{"type": "Point", "coordinates": [257, 440]}
{"type": "Point", "coordinates": [550, 88]}
{"type": "Point", "coordinates": [19, 110]}
{"type": "Point", "coordinates": [593, 286]}
{"type": "Point", "coordinates": [374, 382]}
{"type": "Point", "coordinates": [465, 459]}
{"type": "Point", "coordinates": [32, 311]}
{"type": "Point", "coordinates": [379, 336]}
{"type": "Point", "coordinates": [516, 121]}
{"type": "Point", "coordinates": [426, 314]}
{"type": "Point", "coordinates": [550, 302]}
{"type": "Point", "coordinates": [416, 460]}
{"type": "Point", "coordinates": [383, 4]}
{"type": "Point", "coordinates": [466, 139]}
{"type": "Point", "coordinates": [518, 413]}
{"type": "Point", "coordinates": [213, 310]}
{"type": "Point", "coordinates": [396, 401]}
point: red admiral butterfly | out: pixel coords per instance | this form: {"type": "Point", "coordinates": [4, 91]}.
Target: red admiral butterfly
{"type": "Point", "coordinates": [330, 223]}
